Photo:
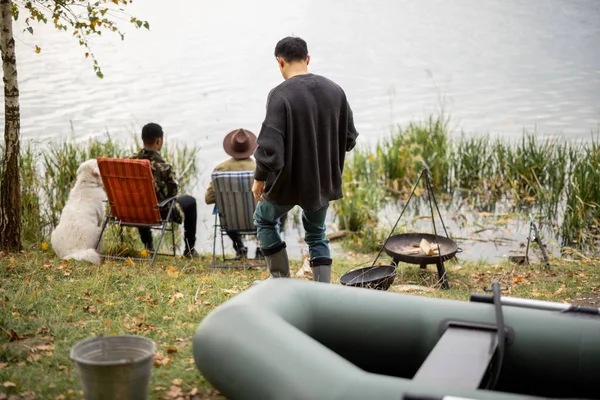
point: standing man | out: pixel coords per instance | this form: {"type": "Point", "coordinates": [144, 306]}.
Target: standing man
{"type": "Point", "coordinates": [302, 145]}
{"type": "Point", "coordinates": [165, 185]}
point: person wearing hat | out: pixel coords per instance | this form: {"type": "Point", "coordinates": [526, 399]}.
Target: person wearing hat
{"type": "Point", "coordinates": [185, 209]}
{"type": "Point", "coordinates": [239, 145]}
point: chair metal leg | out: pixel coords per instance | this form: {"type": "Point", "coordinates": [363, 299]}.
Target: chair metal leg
{"type": "Point", "coordinates": [173, 237]}
{"type": "Point", "coordinates": [102, 231]}
{"type": "Point", "coordinates": [223, 245]}
{"type": "Point", "coordinates": [214, 243]}
{"type": "Point", "coordinates": [162, 234]}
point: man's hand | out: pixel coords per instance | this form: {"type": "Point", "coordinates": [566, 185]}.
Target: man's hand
{"type": "Point", "coordinates": [258, 188]}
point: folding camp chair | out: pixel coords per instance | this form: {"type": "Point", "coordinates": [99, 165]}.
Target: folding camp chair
{"type": "Point", "coordinates": [234, 209]}
{"type": "Point", "coordinates": [129, 186]}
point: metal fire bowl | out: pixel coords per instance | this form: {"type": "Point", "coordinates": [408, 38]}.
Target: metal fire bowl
{"type": "Point", "coordinates": [407, 241]}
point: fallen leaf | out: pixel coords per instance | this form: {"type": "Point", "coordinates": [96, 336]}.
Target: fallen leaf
{"type": "Point", "coordinates": [159, 388]}
{"type": "Point", "coordinates": [178, 295]}
{"type": "Point", "coordinates": [517, 280]}
{"type": "Point", "coordinates": [60, 397]}
{"type": "Point", "coordinates": [46, 347]}
{"type": "Point", "coordinates": [37, 49]}
{"type": "Point", "coordinates": [560, 290]}
{"type": "Point", "coordinates": [44, 246]}
{"type": "Point", "coordinates": [193, 392]}
{"type": "Point", "coordinates": [177, 382]}
{"type": "Point", "coordinates": [14, 336]}
{"type": "Point", "coordinates": [172, 271]}
{"type": "Point", "coordinates": [3, 365]}
{"type": "Point", "coordinates": [171, 350]}
{"type": "Point", "coordinates": [8, 384]}
{"type": "Point", "coordinates": [130, 262]}
{"type": "Point", "coordinates": [174, 392]}
{"type": "Point", "coordinates": [91, 309]}
{"type": "Point", "coordinates": [231, 291]}
{"type": "Point", "coordinates": [160, 359]}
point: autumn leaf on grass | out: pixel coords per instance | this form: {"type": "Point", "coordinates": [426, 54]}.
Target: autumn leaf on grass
{"type": "Point", "coordinates": [8, 384]}
{"type": "Point", "coordinates": [560, 290]}
{"type": "Point", "coordinates": [160, 359]}
{"type": "Point", "coordinates": [46, 347]}
{"type": "Point", "coordinates": [130, 262]}
{"type": "Point", "coordinates": [91, 309]}
{"type": "Point", "coordinates": [172, 271]}
{"type": "Point", "coordinates": [14, 336]}
{"type": "Point", "coordinates": [44, 246]}
{"type": "Point", "coordinates": [144, 253]}
{"type": "Point", "coordinates": [171, 350]}
{"type": "Point", "coordinates": [517, 280]}
{"type": "Point", "coordinates": [174, 392]}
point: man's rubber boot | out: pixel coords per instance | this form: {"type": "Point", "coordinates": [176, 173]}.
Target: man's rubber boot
{"type": "Point", "coordinates": [321, 269]}
{"type": "Point", "coordinates": [277, 262]}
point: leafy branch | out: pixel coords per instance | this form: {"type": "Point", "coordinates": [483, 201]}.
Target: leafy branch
{"type": "Point", "coordinates": [85, 18]}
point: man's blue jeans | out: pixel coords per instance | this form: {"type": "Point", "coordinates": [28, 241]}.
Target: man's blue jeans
{"type": "Point", "coordinates": [265, 220]}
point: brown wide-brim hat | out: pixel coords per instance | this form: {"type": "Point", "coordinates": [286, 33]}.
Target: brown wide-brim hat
{"type": "Point", "coordinates": [240, 143]}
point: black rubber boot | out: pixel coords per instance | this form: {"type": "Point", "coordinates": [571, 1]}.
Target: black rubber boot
{"type": "Point", "coordinates": [321, 269]}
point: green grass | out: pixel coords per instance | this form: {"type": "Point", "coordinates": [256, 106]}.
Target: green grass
{"type": "Point", "coordinates": [47, 305]}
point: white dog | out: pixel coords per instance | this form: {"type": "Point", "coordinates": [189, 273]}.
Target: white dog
{"type": "Point", "coordinates": [80, 223]}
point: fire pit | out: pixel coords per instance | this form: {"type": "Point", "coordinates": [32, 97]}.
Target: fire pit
{"type": "Point", "coordinates": [405, 248]}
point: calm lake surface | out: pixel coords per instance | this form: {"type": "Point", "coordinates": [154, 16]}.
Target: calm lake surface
{"type": "Point", "coordinates": [205, 68]}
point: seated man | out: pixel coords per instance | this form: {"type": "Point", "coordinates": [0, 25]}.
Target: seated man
{"type": "Point", "coordinates": [166, 186]}
{"type": "Point", "coordinates": [240, 145]}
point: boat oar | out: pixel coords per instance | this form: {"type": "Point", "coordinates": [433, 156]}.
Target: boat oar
{"type": "Point", "coordinates": [536, 304]}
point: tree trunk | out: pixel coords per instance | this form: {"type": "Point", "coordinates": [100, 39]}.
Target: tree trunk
{"type": "Point", "coordinates": [10, 188]}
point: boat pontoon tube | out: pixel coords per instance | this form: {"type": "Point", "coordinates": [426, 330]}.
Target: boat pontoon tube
{"type": "Point", "coordinates": [294, 339]}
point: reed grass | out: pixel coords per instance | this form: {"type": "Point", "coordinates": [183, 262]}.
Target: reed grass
{"type": "Point", "coordinates": [557, 180]}
{"type": "Point", "coordinates": [48, 173]}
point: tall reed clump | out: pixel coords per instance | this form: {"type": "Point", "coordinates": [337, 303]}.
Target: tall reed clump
{"type": "Point", "coordinates": [553, 178]}
{"type": "Point", "coordinates": [582, 215]}
{"type": "Point", "coordinates": [362, 191]}
{"type": "Point", "coordinates": [403, 155]}
{"type": "Point", "coordinates": [48, 173]}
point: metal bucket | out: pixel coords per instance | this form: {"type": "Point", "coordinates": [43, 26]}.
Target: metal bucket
{"type": "Point", "coordinates": [114, 367]}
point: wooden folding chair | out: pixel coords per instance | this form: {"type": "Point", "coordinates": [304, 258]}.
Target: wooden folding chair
{"type": "Point", "coordinates": [234, 209]}
{"type": "Point", "coordinates": [129, 187]}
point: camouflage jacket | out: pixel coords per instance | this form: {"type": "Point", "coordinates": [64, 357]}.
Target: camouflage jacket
{"type": "Point", "coordinates": [165, 183]}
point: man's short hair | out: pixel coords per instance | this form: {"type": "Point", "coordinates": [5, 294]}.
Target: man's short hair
{"type": "Point", "coordinates": [292, 49]}
{"type": "Point", "coordinates": [151, 132]}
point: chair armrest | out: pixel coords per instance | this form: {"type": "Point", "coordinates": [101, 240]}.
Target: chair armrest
{"type": "Point", "coordinates": [166, 201]}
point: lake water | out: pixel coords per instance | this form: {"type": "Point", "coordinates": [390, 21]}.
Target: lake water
{"type": "Point", "coordinates": [205, 68]}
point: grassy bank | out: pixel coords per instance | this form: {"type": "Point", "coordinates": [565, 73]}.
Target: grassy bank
{"type": "Point", "coordinates": [47, 305]}
{"type": "Point", "coordinates": [557, 180]}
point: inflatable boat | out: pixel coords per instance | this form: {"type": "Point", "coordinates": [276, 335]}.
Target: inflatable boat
{"type": "Point", "coordinates": [294, 339]}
